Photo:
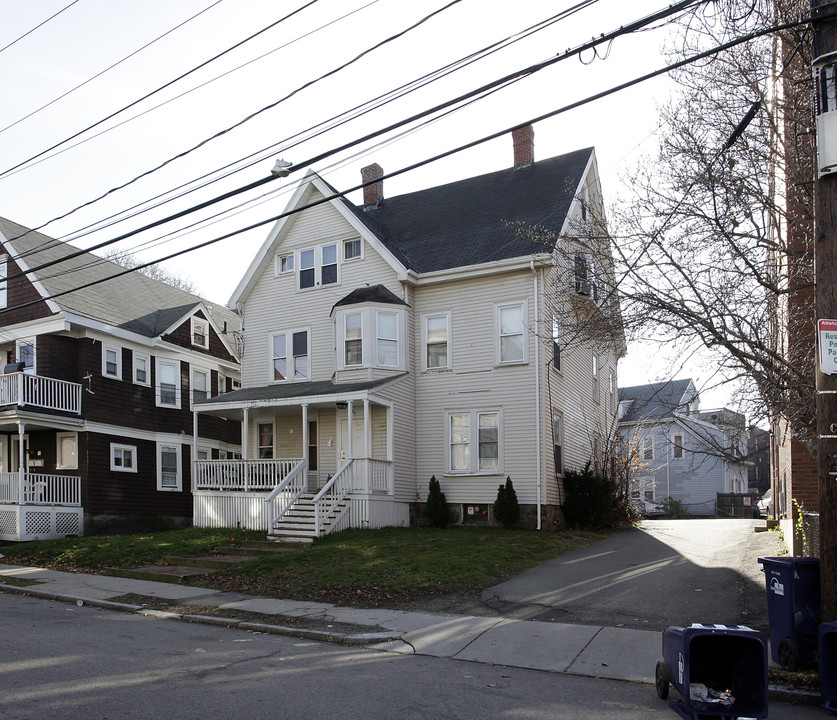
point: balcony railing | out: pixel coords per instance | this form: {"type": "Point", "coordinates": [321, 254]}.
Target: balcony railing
{"type": "Point", "coordinates": [42, 392]}
{"type": "Point", "coordinates": [40, 489]}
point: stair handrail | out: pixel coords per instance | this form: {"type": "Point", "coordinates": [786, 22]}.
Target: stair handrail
{"type": "Point", "coordinates": [300, 488]}
{"type": "Point", "coordinates": [342, 483]}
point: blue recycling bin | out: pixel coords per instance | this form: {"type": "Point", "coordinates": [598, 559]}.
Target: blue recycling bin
{"type": "Point", "coordinates": [719, 671]}
{"type": "Point", "coordinates": [793, 609]}
{"type": "Point", "coordinates": [828, 665]}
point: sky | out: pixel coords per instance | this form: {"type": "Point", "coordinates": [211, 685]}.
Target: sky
{"type": "Point", "coordinates": [63, 76]}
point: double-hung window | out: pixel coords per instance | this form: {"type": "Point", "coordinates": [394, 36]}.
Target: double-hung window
{"type": "Point", "coordinates": [556, 343]}
{"type": "Point", "coordinates": [595, 369]}
{"type": "Point", "coordinates": [558, 443]}
{"type": "Point", "coordinates": [436, 342]}
{"type": "Point", "coordinates": [27, 355]}
{"type": "Point", "coordinates": [290, 356]}
{"type": "Point", "coordinates": [168, 383]}
{"type": "Point", "coordinates": [200, 332]}
{"type": "Point", "coordinates": [318, 266]}
{"type": "Point", "coordinates": [511, 328]}
{"type": "Point", "coordinates": [353, 334]}
{"type": "Point", "coordinates": [4, 284]}
{"type": "Point", "coordinates": [142, 369]}
{"type": "Point", "coordinates": [200, 384]}
{"type": "Point", "coordinates": [387, 339]}
{"type": "Point", "coordinates": [112, 361]}
{"type": "Point", "coordinates": [474, 442]}
{"type": "Point", "coordinates": [168, 467]}
{"type": "Point", "coordinates": [647, 451]}
{"type": "Point", "coordinates": [265, 441]}
{"type": "Point", "coordinates": [677, 442]}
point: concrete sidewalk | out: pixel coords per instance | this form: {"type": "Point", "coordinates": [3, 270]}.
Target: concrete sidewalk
{"type": "Point", "coordinates": [606, 652]}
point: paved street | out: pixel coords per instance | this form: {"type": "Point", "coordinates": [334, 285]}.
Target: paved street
{"type": "Point", "coordinates": [82, 663]}
{"type": "Point", "coordinates": [667, 572]}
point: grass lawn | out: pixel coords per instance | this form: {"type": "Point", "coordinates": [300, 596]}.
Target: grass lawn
{"type": "Point", "coordinates": [352, 566]}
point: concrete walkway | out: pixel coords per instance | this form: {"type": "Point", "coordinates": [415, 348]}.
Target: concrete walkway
{"type": "Point", "coordinates": [606, 652]}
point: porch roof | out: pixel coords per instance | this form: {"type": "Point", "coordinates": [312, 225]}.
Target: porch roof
{"type": "Point", "coordinates": [292, 393]}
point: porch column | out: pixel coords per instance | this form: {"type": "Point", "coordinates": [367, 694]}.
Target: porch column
{"type": "Point", "coordinates": [245, 446]}
{"type": "Point", "coordinates": [21, 464]}
{"type": "Point", "coordinates": [367, 450]}
{"type": "Point", "coordinates": [305, 452]}
{"type": "Point", "coordinates": [390, 451]}
{"type": "Point", "coordinates": [351, 409]}
{"type": "Point", "coordinates": [194, 451]}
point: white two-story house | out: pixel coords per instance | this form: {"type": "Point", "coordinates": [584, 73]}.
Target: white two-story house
{"type": "Point", "coordinates": [416, 336]}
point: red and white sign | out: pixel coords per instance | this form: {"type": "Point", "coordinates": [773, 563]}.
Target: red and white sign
{"type": "Point", "coordinates": [827, 335]}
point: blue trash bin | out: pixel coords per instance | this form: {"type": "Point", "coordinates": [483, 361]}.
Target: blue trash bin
{"type": "Point", "coordinates": [793, 609]}
{"type": "Point", "coordinates": [828, 665]}
{"type": "Point", "coordinates": [728, 660]}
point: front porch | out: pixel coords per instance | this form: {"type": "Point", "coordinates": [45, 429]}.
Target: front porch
{"type": "Point", "coordinates": [37, 506]}
{"type": "Point", "coordinates": [311, 465]}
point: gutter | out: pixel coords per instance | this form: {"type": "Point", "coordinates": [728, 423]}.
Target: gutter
{"type": "Point", "coordinates": [537, 391]}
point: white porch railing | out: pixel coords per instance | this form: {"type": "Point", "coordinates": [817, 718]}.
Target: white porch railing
{"type": "Point", "coordinates": [40, 489]}
{"type": "Point", "coordinates": [334, 492]}
{"type": "Point", "coordinates": [243, 475]}
{"type": "Point", "coordinates": [34, 390]}
{"type": "Point", "coordinates": [287, 492]}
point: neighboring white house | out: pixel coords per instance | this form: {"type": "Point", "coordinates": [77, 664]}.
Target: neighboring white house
{"type": "Point", "coordinates": [683, 453]}
{"type": "Point", "coordinates": [417, 336]}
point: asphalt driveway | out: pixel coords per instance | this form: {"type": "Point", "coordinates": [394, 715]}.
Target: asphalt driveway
{"type": "Point", "coordinates": [665, 572]}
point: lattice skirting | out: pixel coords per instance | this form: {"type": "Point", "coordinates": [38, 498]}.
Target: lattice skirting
{"type": "Point", "coordinates": [36, 522]}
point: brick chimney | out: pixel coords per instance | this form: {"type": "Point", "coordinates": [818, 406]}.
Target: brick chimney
{"type": "Point", "coordinates": [524, 146]}
{"type": "Point", "coordinates": [374, 193]}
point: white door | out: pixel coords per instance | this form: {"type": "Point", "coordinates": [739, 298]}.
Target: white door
{"type": "Point", "coordinates": [357, 449]}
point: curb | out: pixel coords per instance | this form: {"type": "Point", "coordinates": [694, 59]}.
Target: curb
{"type": "Point", "coordinates": [267, 628]}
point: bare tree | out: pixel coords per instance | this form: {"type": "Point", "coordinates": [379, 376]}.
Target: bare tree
{"type": "Point", "coordinates": [155, 271]}
{"type": "Point", "coordinates": [715, 245]}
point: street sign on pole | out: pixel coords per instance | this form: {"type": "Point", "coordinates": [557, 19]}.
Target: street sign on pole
{"type": "Point", "coordinates": [827, 337]}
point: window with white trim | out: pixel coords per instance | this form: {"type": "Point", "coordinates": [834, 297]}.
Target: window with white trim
{"type": "Point", "coordinates": [200, 384]}
{"type": "Point", "coordinates": [352, 249]}
{"type": "Point", "coordinates": [66, 446]}
{"type": "Point", "coordinates": [222, 383]}
{"type": "Point", "coordinates": [169, 475]}
{"type": "Point", "coordinates": [556, 343]}
{"type": "Point", "coordinates": [289, 356]}
{"type": "Point", "coordinates": [142, 369]}
{"type": "Point", "coordinates": [318, 266]}
{"type": "Point", "coordinates": [112, 361]}
{"type": "Point", "coordinates": [265, 441]}
{"type": "Point", "coordinates": [284, 264]}
{"type": "Point", "coordinates": [595, 368]}
{"type": "Point", "coordinates": [123, 458]}
{"type": "Point", "coordinates": [4, 284]}
{"type": "Point", "coordinates": [648, 448]}
{"type": "Point", "coordinates": [200, 332]}
{"type": "Point", "coordinates": [677, 442]}
{"type": "Point", "coordinates": [558, 444]}
{"type": "Point", "coordinates": [387, 341]}
{"type": "Point", "coordinates": [27, 355]}
{"type": "Point", "coordinates": [168, 383]}
{"type": "Point", "coordinates": [643, 488]}
{"type": "Point", "coordinates": [511, 326]}
{"type": "Point", "coordinates": [435, 339]}
{"type": "Point", "coordinates": [474, 442]}
{"type": "Point", "coordinates": [353, 339]}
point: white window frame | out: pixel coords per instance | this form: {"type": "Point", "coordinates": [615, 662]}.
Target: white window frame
{"type": "Point", "coordinates": [117, 361]}
{"type": "Point", "coordinates": [147, 359]}
{"type": "Point", "coordinates": [556, 344]}
{"type": "Point", "coordinates": [117, 450]}
{"type": "Point", "coordinates": [647, 448]}
{"type": "Point", "coordinates": [318, 265]}
{"type": "Point", "coordinates": [369, 336]}
{"type": "Point", "coordinates": [222, 382]}
{"type": "Point", "coordinates": [425, 345]}
{"type": "Point", "coordinates": [387, 341]}
{"type": "Point", "coordinates": [259, 446]}
{"type": "Point", "coordinates": [558, 442]}
{"type": "Point", "coordinates": [350, 242]}
{"type": "Point", "coordinates": [196, 322]}
{"type": "Point", "coordinates": [176, 448]}
{"type": "Point", "coordinates": [524, 335]}
{"type": "Point", "coordinates": [22, 343]}
{"type": "Point", "coordinates": [291, 369]}
{"type": "Point", "coordinates": [207, 375]}
{"type": "Point", "coordinates": [596, 385]}
{"type": "Point", "coordinates": [175, 364]}
{"type": "Point", "coordinates": [645, 488]}
{"type": "Point", "coordinates": [4, 283]}
{"type": "Point", "coordinates": [284, 264]}
{"type": "Point", "coordinates": [61, 461]}
{"type": "Point", "coordinates": [473, 442]}
{"type": "Point", "coordinates": [678, 450]}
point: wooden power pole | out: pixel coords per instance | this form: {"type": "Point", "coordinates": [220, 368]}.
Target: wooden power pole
{"type": "Point", "coordinates": [824, 23]}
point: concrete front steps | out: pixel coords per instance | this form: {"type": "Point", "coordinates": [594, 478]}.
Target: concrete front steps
{"type": "Point", "coordinates": [182, 569]}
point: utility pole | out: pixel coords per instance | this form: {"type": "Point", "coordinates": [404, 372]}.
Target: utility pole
{"type": "Point", "coordinates": [824, 24]}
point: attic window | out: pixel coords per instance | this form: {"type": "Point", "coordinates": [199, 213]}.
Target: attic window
{"type": "Point", "coordinates": [200, 333]}
{"type": "Point", "coordinates": [351, 249]}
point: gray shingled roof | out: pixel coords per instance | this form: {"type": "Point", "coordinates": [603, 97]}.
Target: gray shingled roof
{"type": "Point", "coordinates": [132, 301]}
{"type": "Point", "coordinates": [655, 401]}
{"type": "Point", "coordinates": [466, 222]}
{"type": "Point", "coordinates": [369, 294]}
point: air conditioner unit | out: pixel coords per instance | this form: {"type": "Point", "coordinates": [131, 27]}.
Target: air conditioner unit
{"type": "Point", "coordinates": [582, 287]}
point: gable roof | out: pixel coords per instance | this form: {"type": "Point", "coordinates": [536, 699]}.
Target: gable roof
{"type": "Point", "coordinates": [656, 401]}
{"type": "Point", "coordinates": [468, 222]}
{"type": "Point", "coordinates": [133, 302]}
{"type": "Point", "coordinates": [370, 294]}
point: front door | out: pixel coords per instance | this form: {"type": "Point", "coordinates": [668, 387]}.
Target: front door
{"type": "Point", "coordinates": [357, 449]}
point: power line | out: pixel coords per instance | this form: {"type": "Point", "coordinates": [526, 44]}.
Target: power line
{"type": "Point", "coordinates": [159, 89]}
{"type": "Point", "coordinates": [29, 32]}
{"type": "Point", "coordinates": [525, 72]}
{"type": "Point", "coordinates": [108, 69]}
{"type": "Point", "coordinates": [674, 66]}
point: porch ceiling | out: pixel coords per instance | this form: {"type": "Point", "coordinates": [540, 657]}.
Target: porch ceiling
{"type": "Point", "coordinates": [36, 421]}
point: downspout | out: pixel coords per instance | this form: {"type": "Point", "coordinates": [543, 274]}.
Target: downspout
{"type": "Point", "coordinates": [537, 390]}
